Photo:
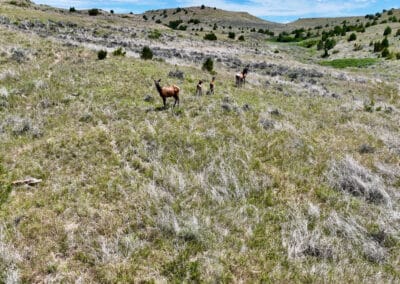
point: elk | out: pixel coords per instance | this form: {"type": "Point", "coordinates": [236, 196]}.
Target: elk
{"type": "Point", "coordinates": [199, 90]}
{"type": "Point", "coordinates": [212, 85]}
{"type": "Point", "coordinates": [241, 77]}
{"type": "Point", "coordinates": [168, 91]}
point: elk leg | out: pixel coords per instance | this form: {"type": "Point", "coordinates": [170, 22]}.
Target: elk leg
{"type": "Point", "coordinates": [164, 101]}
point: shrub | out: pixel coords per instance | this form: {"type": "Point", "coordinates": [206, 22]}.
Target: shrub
{"type": "Point", "coordinates": [231, 35]}
{"type": "Point", "coordinates": [158, 21]}
{"type": "Point", "coordinates": [145, 17]}
{"type": "Point", "coordinates": [378, 46]}
{"type": "Point", "coordinates": [174, 24]}
{"type": "Point", "coordinates": [119, 52]}
{"type": "Point", "coordinates": [320, 45]}
{"type": "Point", "coordinates": [208, 65]}
{"type": "Point", "coordinates": [352, 37]}
{"type": "Point", "coordinates": [210, 36]}
{"type": "Point", "coordinates": [328, 45]}
{"type": "Point", "coordinates": [194, 21]}
{"type": "Point", "coordinates": [398, 55]}
{"type": "Point", "coordinates": [146, 53]}
{"type": "Point", "coordinates": [385, 42]}
{"type": "Point", "coordinates": [154, 34]}
{"type": "Point", "coordinates": [398, 32]}
{"type": "Point", "coordinates": [112, 11]}
{"type": "Point", "coordinates": [241, 38]}
{"type": "Point", "coordinates": [72, 9]}
{"type": "Point", "coordinates": [385, 52]}
{"type": "Point", "coordinates": [102, 54]}
{"type": "Point", "coordinates": [93, 12]}
{"type": "Point", "coordinates": [387, 31]}
{"type": "Point", "coordinates": [203, 7]}
{"type": "Point", "coordinates": [357, 47]}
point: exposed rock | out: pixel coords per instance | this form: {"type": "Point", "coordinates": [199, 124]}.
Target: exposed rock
{"type": "Point", "coordinates": [267, 124]}
{"type": "Point", "coordinates": [366, 149]}
{"type": "Point", "coordinates": [226, 106]}
{"type": "Point", "coordinates": [148, 98]}
{"type": "Point", "coordinates": [176, 74]}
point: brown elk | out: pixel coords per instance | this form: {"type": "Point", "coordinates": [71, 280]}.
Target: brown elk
{"type": "Point", "coordinates": [168, 91]}
{"type": "Point", "coordinates": [241, 77]}
{"type": "Point", "coordinates": [199, 89]}
{"type": "Point", "coordinates": [212, 87]}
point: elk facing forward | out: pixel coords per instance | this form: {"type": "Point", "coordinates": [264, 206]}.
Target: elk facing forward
{"type": "Point", "coordinates": [168, 91]}
{"type": "Point", "coordinates": [241, 77]}
{"type": "Point", "coordinates": [212, 87]}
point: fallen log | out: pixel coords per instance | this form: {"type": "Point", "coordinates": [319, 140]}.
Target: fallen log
{"type": "Point", "coordinates": [28, 181]}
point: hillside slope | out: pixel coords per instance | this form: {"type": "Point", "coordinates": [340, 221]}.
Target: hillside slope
{"type": "Point", "coordinates": [292, 178]}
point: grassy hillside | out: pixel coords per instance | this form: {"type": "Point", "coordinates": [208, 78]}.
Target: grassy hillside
{"type": "Point", "coordinates": [292, 178]}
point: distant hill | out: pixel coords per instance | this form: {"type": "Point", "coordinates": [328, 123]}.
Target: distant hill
{"type": "Point", "coordinates": [209, 16]}
{"type": "Point", "coordinates": [198, 17]}
{"type": "Point", "coordinates": [379, 17]}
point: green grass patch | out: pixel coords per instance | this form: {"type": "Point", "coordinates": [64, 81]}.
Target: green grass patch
{"type": "Point", "coordinates": [350, 62]}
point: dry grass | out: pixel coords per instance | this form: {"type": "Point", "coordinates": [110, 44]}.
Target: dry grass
{"type": "Point", "coordinates": [262, 183]}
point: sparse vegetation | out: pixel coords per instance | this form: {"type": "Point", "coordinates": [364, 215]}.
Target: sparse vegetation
{"type": "Point", "coordinates": [241, 38]}
{"type": "Point", "coordinates": [231, 35]}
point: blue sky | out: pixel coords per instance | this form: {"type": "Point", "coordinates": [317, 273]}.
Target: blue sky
{"type": "Point", "coordinates": [273, 10]}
